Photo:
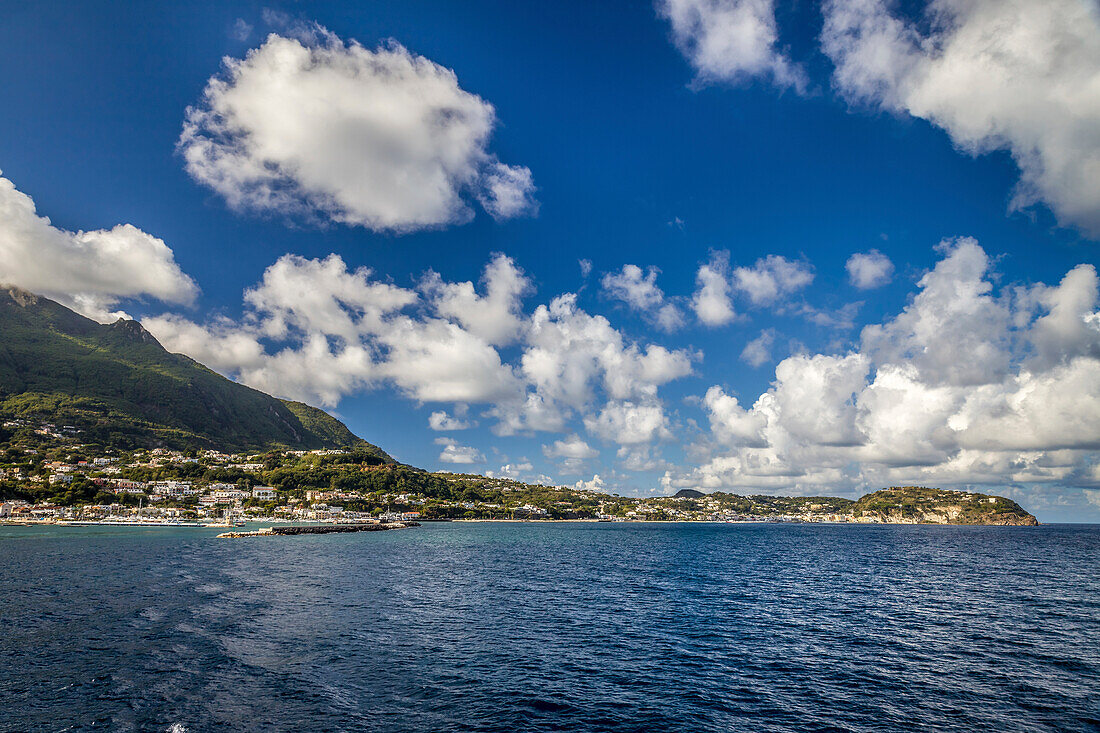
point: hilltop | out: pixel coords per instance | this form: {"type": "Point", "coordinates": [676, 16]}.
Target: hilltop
{"type": "Point", "coordinates": [919, 505]}
{"type": "Point", "coordinates": [117, 387]}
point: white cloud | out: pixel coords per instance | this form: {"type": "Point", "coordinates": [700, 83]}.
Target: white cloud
{"type": "Point", "coordinates": [594, 484]}
{"type": "Point", "coordinates": [508, 191]}
{"type": "Point", "coordinates": [954, 330]}
{"type": "Point", "coordinates": [634, 288]}
{"type": "Point", "coordinates": [573, 453]}
{"type": "Point", "coordinates": [571, 352]}
{"type": "Point", "coordinates": [1069, 326]}
{"type": "Point", "coordinates": [629, 423]}
{"type": "Point", "coordinates": [711, 301]}
{"type": "Point", "coordinates": [322, 296]}
{"type": "Point", "coordinates": [772, 278]}
{"type": "Point", "coordinates": [221, 344]}
{"type": "Point", "coordinates": [759, 350]}
{"type": "Point", "coordinates": [432, 360]}
{"type": "Point", "coordinates": [668, 318]}
{"type": "Point", "coordinates": [842, 318]}
{"type": "Point", "coordinates": [461, 454]}
{"type": "Point", "coordinates": [440, 421]}
{"type": "Point", "coordinates": [340, 332]}
{"type": "Point", "coordinates": [641, 458]}
{"type": "Point", "coordinates": [316, 331]}
{"type": "Point", "coordinates": [1013, 75]}
{"type": "Point", "coordinates": [496, 316]}
{"type": "Point", "coordinates": [521, 471]}
{"type": "Point", "coordinates": [641, 293]}
{"type": "Point", "coordinates": [383, 139]}
{"type": "Point", "coordinates": [89, 271]}
{"type": "Point", "coordinates": [731, 41]}
{"type": "Point", "coordinates": [730, 422]}
{"type": "Point", "coordinates": [572, 447]}
{"type": "Point", "coordinates": [868, 270]}
{"type": "Point", "coordinates": [960, 388]}
{"type": "Point", "coordinates": [241, 30]}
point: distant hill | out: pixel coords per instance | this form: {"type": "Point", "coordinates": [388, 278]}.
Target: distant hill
{"type": "Point", "coordinates": [895, 505]}
{"type": "Point", "coordinates": [919, 505]}
{"type": "Point", "coordinates": [120, 387]}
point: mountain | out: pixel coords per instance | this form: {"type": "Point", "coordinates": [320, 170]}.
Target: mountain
{"type": "Point", "coordinates": [120, 387]}
{"type": "Point", "coordinates": [919, 505]}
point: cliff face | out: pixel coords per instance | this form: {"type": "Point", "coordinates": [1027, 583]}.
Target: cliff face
{"type": "Point", "coordinates": [919, 505]}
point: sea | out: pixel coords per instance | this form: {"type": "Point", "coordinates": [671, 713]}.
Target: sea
{"type": "Point", "coordinates": [553, 627]}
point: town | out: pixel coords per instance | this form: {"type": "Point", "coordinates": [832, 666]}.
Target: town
{"type": "Point", "coordinates": [48, 475]}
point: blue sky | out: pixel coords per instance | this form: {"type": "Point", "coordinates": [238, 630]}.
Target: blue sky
{"type": "Point", "coordinates": [760, 142]}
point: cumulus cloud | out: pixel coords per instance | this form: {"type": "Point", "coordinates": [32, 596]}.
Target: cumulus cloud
{"type": "Point", "coordinates": [634, 288]}
{"type": "Point", "coordinates": [572, 454]}
{"type": "Point", "coordinates": [310, 125]}
{"type": "Point", "coordinates": [508, 191]}
{"type": "Point", "coordinates": [711, 301]}
{"type": "Point", "coordinates": [770, 281]}
{"type": "Point", "coordinates": [731, 41]}
{"type": "Point", "coordinates": [442, 422]}
{"type": "Point", "coordinates": [954, 331]}
{"type": "Point", "coordinates": [495, 316]}
{"type": "Point", "coordinates": [628, 422]}
{"type": "Point", "coordinates": [759, 350]}
{"type": "Point", "coordinates": [594, 484]}
{"type": "Point", "coordinates": [89, 271]}
{"type": "Point", "coordinates": [1069, 325]}
{"type": "Point", "coordinates": [964, 386]}
{"type": "Point", "coordinates": [572, 447]}
{"type": "Point", "coordinates": [317, 331]}
{"type": "Point", "coordinates": [455, 453]}
{"type": "Point", "coordinates": [640, 292]}
{"type": "Point", "coordinates": [771, 278]}
{"type": "Point", "coordinates": [641, 458]}
{"type": "Point", "coordinates": [1012, 75]}
{"type": "Point", "coordinates": [523, 471]}
{"type": "Point", "coordinates": [321, 331]}
{"type": "Point", "coordinates": [570, 353]}
{"type": "Point", "coordinates": [868, 270]}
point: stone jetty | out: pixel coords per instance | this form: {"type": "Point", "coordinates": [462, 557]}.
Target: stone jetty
{"type": "Point", "coordinates": [320, 529]}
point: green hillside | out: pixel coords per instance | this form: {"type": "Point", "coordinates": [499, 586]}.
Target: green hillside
{"type": "Point", "coordinates": [120, 388]}
{"type": "Point", "coordinates": [940, 506]}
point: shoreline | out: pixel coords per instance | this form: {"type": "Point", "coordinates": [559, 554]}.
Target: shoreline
{"type": "Point", "coordinates": [322, 523]}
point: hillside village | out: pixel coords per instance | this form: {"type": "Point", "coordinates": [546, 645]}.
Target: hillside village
{"type": "Point", "coordinates": [47, 474]}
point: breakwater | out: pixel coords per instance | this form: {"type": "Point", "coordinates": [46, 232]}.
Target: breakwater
{"type": "Point", "coordinates": [319, 529]}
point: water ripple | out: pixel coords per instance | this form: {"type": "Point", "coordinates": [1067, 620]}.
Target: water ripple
{"type": "Point", "coordinates": [484, 627]}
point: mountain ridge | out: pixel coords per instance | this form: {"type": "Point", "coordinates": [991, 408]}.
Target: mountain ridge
{"type": "Point", "coordinates": [120, 386]}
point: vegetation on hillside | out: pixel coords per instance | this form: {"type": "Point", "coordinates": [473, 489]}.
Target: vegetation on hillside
{"type": "Point", "coordinates": [920, 504]}
{"type": "Point", "coordinates": [118, 386]}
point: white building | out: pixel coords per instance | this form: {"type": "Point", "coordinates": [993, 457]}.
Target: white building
{"type": "Point", "coordinates": [263, 493]}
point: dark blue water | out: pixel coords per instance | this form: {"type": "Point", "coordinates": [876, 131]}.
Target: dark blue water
{"type": "Point", "coordinates": [499, 627]}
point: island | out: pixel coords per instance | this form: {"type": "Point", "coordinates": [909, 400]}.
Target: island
{"type": "Point", "coordinates": [99, 423]}
{"type": "Point", "coordinates": [48, 475]}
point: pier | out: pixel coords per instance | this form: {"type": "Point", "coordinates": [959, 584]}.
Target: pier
{"type": "Point", "coordinates": [320, 529]}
